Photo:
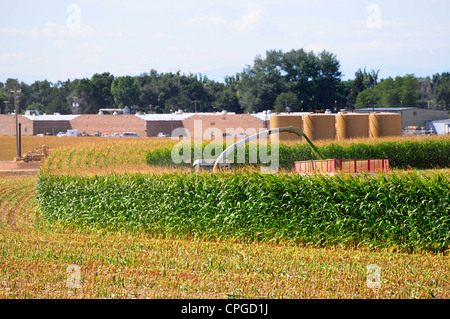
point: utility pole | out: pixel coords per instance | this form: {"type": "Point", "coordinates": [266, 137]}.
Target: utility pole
{"type": "Point", "coordinates": [16, 111]}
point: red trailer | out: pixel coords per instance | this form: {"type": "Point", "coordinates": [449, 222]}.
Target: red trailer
{"type": "Point", "coordinates": [343, 166]}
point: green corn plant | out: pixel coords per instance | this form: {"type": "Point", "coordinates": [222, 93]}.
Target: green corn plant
{"type": "Point", "coordinates": [410, 211]}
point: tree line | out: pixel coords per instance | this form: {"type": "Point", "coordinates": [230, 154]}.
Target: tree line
{"type": "Point", "coordinates": [298, 80]}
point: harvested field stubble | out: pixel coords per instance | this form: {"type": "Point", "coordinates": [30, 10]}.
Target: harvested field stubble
{"type": "Point", "coordinates": [34, 264]}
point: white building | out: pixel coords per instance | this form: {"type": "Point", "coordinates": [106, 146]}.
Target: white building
{"type": "Point", "coordinates": [440, 127]}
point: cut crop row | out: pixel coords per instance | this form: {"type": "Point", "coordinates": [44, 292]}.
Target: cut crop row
{"type": "Point", "coordinates": [407, 211]}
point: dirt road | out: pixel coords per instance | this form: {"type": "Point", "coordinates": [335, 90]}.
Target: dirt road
{"type": "Point", "coordinates": [22, 168]}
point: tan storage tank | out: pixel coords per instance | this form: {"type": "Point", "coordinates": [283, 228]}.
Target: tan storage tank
{"type": "Point", "coordinates": [319, 126]}
{"type": "Point", "coordinates": [352, 125]}
{"type": "Point", "coordinates": [385, 124]}
{"type": "Point", "coordinates": [285, 120]}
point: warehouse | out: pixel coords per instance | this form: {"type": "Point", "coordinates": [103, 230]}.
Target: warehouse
{"type": "Point", "coordinates": [411, 116]}
{"type": "Point", "coordinates": [145, 125]}
{"type": "Point", "coordinates": [35, 124]}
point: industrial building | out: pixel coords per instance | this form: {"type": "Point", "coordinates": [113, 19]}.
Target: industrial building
{"type": "Point", "coordinates": [145, 125]}
{"type": "Point", "coordinates": [373, 122]}
{"type": "Point", "coordinates": [411, 116]}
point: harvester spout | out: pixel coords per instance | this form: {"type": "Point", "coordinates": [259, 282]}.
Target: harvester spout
{"type": "Point", "coordinates": [289, 129]}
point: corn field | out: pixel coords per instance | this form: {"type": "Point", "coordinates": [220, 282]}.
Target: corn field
{"type": "Point", "coordinates": [407, 211]}
{"type": "Point", "coordinates": [155, 231]}
{"type": "Point", "coordinates": [403, 153]}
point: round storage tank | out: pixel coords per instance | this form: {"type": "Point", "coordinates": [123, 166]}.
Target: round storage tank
{"type": "Point", "coordinates": [352, 125]}
{"type": "Point", "coordinates": [385, 124]}
{"type": "Point", "coordinates": [319, 126]}
{"type": "Point", "coordinates": [277, 121]}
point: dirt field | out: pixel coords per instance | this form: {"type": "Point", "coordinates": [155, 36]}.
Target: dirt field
{"type": "Point", "coordinates": [19, 168]}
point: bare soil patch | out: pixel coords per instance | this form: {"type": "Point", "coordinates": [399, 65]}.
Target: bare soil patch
{"type": "Point", "coordinates": [19, 168]}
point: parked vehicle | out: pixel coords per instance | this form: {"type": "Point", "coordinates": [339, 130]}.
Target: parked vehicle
{"type": "Point", "coordinates": [130, 134]}
{"type": "Point", "coordinates": [161, 134]}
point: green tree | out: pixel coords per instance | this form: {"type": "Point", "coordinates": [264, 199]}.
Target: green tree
{"type": "Point", "coordinates": [357, 87]}
{"type": "Point", "coordinates": [40, 94]}
{"type": "Point", "coordinates": [227, 100]}
{"type": "Point", "coordinates": [441, 90]}
{"type": "Point", "coordinates": [83, 96]}
{"type": "Point", "coordinates": [285, 100]}
{"type": "Point", "coordinates": [4, 96]}
{"type": "Point", "coordinates": [101, 93]}
{"type": "Point", "coordinates": [363, 81]}
{"type": "Point", "coordinates": [401, 91]}
{"type": "Point", "coordinates": [313, 78]}
{"type": "Point", "coordinates": [261, 83]}
{"type": "Point", "coordinates": [125, 91]}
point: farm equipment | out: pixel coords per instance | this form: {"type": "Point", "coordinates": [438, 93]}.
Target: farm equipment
{"type": "Point", "coordinates": [321, 165]}
{"type": "Point", "coordinates": [36, 155]}
{"type": "Point", "coordinates": [289, 129]}
{"type": "Point", "coordinates": [208, 164]}
{"type": "Point", "coordinates": [220, 162]}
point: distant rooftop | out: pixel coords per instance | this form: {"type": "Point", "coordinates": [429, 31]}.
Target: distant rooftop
{"type": "Point", "coordinates": [178, 116]}
{"type": "Point", "coordinates": [267, 114]}
{"type": "Point", "coordinates": [378, 109]}
{"type": "Point", "coordinates": [165, 117]}
{"type": "Point", "coordinates": [441, 121]}
{"type": "Point", "coordinates": [52, 117]}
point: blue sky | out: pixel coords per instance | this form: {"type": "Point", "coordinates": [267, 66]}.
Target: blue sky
{"type": "Point", "coordinates": [60, 40]}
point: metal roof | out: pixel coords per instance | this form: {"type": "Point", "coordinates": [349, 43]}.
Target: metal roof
{"type": "Point", "coordinates": [385, 109]}
{"type": "Point", "coordinates": [165, 117]}
{"type": "Point", "coordinates": [266, 115]}
{"type": "Point", "coordinates": [52, 117]}
{"type": "Point", "coordinates": [441, 121]}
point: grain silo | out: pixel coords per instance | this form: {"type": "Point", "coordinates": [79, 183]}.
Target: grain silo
{"type": "Point", "coordinates": [385, 124]}
{"type": "Point", "coordinates": [286, 120]}
{"type": "Point", "coordinates": [319, 126]}
{"type": "Point", "coordinates": [352, 125]}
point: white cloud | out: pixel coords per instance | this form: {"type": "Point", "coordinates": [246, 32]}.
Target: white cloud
{"type": "Point", "coordinates": [206, 21]}
{"type": "Point", "coordinates": [61, 44]}
{"type": "Point", "coordinates": [173, 48]}
{"type": "Point", "coordinates": [316, 47]}
{"type": "Point", "coordinates": [51, 30]}
{"type": "Point", "coordinates": [443, 27]}
{"type": "Point", "coordinates": [55, 30]}
{"type": "Point", "coordinates": [92, 47]}
{"type": "Point", "coordinates": [375, 48]}
{"type": "Point", "coordinates": [250, 20]}
{"type": "Point", "coordinates": [398, 24]}
{"type": "Point", "coordinates": [7, 57]}
{"type": "Point", "coordinates": [159, 35]}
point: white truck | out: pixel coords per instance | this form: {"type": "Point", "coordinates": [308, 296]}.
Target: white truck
{"type": "Point", "coordinates": [72, 132]}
